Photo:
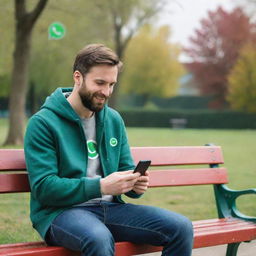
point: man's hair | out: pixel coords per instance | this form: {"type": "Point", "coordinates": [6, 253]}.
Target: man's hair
{"type": "Point", "coordinates": [93, 55]}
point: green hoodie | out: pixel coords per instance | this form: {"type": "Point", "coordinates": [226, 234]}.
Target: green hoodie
{"type": "Point", "coordinates": [56, 158]}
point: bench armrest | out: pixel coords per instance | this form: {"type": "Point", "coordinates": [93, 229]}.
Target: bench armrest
{"type": "Point", "coordinates": [226, 202]}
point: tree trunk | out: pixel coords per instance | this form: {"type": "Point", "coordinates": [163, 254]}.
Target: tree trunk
{"type": "Point", "coordinates": [119, 49]}
{"type": "Point", "coordinates": [32, 99]}
{"type": "Point", "coordinates": [19, 87]}
{"type": "Point", "coordinates": [25, 22]}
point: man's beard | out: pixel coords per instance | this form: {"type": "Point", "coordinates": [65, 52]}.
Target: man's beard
{"type": "Point", "coordinates": [89, 100]}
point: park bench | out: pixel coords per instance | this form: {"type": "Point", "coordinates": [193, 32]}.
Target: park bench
{"type": "Point", "coordinates": [178, 123]}
{"type": "Point", "coordinates": [230, 227]}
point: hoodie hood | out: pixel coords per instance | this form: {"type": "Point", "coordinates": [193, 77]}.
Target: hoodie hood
{"type": "Point", "coordinates": [58, 103]}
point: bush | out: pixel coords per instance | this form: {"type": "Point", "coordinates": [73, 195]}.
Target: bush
{"type": "Point", "coordinates": [194, 118]}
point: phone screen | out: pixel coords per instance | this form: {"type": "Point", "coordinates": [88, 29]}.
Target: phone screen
{"type": "Point", "coordinates": [142, 166]}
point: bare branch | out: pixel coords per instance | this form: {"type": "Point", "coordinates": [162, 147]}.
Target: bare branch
{"type": "Point", "coordinates": [37, 10]}
{"type": "Point", "coordinates": [141, 20]}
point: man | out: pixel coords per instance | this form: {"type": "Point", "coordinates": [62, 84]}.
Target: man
{"type": "Point", "coordinates": [79, 165]}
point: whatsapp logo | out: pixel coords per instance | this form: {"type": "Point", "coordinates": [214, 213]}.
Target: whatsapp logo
{"type": "Point", "coordinates": [113, 142]}
{"type": "Point", "coordinates": [56, 31]}
{"type": "Point", "coordinates": [92, 149]}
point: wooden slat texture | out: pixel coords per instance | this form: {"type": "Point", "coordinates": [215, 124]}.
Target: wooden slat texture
{"type": "Point", "coordinates": [41, 251]}
{"type": "Point", "coordinates": [18, 182]}
{"type": "Point", "coordinates": [12, 159]}
{"type": "Point", "coordinates": [222, 231]}
{"type": "Point", "coordinates": [179, 155]}
{"type": "Point", "coordinates": [207, 233]}
{"type": "Point", "coordinates": [14, 182]}
{"type": "Point", "coordinates": [26, 245]}
{"type": "Point", "coordinates": [184, 177]}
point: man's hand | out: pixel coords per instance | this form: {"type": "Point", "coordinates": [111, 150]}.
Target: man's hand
{"type": "Point", "coordinates": [142, 183]}
{"type": "Point", "coordinates": [119, 183]}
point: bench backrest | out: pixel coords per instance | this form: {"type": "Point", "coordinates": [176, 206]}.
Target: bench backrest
{"type": "Point", "coordinates": [202, 167]}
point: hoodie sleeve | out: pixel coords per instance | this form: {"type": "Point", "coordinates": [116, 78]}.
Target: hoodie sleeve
{"type": "Point", "coordinates": [46, 186]}
{"type": "Point", "coordinates": [126, 161]}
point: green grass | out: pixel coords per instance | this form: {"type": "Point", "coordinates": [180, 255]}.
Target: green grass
{"type": "Point", "coordinates": [3, 130]}
{"type": "Point", "coordinates": [198, 202]}
{"type": "Point", "coordinates": [195, 202]}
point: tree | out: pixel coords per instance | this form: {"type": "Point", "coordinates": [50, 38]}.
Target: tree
{"type": "Point", "coordinates": [6, 45]}
{"type": "Point", "coordinates": [215, 47]}
{"type": "Point", "coordinates": [52, 66]}
{"type": "Point", "coordinates": [25, 22]}
{"type": "Point", "coordinates": [242, 81]}
{"type": "Point", "coordinates": [152, 67]}
{"type": "Point", "coordinates": [125, 18]}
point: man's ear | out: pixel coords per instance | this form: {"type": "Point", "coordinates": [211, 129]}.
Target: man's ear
{"type": "Point", "coordinates": [78, 78]}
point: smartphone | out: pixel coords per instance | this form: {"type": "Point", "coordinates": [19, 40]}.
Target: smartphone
{"type": "Point", "coordinates": [142, 166]}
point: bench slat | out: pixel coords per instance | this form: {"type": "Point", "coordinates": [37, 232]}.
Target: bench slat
{"type": "Point", "coordinates": [179, 155]}
{"type": "Point", "coordinates": [41, 251]}
{"type": "Point", "coordinates": [12, 159]}
{"type": "Point", "coordinates": [14, 182]}
{"type": "Point", "coordinates": [183, 177]}
{"type": "Point", "coordinates": [27, 245]}
{"type": "Point", "coordinates": [225, 226]}
{"type": "Point", "coordinates": [18, 182]}
{"type": "Point", "coordinates": [224, 231]}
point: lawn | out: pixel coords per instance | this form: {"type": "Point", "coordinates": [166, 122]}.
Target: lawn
{"type": "Point", "coordinates": [239, 154]}
{"type": "Point", "coordinates": [3, 130]}
{"type": "Point", "coordinates": [195, 202]}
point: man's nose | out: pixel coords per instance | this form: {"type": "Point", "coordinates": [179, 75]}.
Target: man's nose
{"type": "Point", "coordinates": [107, 90]}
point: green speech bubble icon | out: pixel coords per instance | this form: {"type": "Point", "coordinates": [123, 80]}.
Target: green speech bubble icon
{"type": "Point", "coordinates": [92, 149]}
{"type": "Point", "coordinates": [56, 31]}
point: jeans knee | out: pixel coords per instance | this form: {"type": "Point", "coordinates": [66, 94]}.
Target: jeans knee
{"type": "Point", "coordinates": [98, 243]}
{"type": "Point", "coordinates": [180, 241]}
{"type": "Point", "coordinates": [182, 230]}
{"type": "Point", "coordinates": [186, 228]}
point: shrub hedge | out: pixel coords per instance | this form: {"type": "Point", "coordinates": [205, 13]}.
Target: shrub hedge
{"type": "Point", "coordinates": [194, 118]}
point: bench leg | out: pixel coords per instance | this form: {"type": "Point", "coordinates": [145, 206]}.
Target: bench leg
{"type": "Point", "coordinates": [232, 249]}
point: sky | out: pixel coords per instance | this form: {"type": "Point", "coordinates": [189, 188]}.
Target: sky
{"type": "Point", "coordinates": [184, 16]}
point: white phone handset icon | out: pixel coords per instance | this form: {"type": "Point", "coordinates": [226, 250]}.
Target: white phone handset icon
{"type": "Point", "coordinates": [56, 32]}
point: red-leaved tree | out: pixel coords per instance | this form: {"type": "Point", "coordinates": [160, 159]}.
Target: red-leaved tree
{"type": "Point", "coordinates": [215, 48]}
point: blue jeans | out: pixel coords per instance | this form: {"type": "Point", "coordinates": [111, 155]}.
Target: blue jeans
{"type": "Point", "coordinates": [93, 229]}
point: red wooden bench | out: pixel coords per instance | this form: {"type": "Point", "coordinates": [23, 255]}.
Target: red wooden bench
{"type": "Point", "coordinates": [231, 227]}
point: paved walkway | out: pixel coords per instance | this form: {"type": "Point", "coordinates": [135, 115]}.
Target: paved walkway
{"type": "Point", "coordinates": [245, 249]}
